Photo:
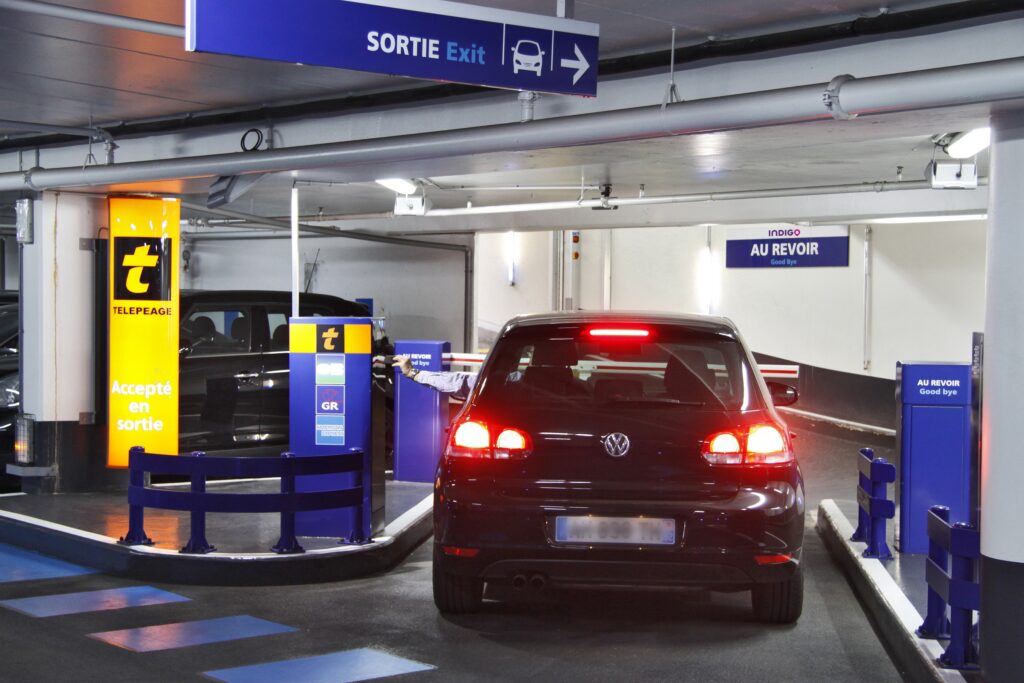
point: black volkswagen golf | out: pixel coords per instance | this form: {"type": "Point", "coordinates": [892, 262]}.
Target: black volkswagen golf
{"type": "Point", "coordinates": [601, 449]}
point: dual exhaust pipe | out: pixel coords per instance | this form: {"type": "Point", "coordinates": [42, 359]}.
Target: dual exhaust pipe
{"type": "Point", "coordinates": [537, 582]}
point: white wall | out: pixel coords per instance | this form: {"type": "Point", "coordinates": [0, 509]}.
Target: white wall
{"type": "Point", "coordinates": [655, 269]}
{"type": "Point", "coordinates": [496, 299]}
{"type": "Point", "coordinates": [419, 291]}
{"type": "Point", "coordinates": [929, 292]}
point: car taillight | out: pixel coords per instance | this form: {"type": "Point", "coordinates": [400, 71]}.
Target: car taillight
{"type": "Point", "coordinates": [620, 332]}
{"type": "Point", "coordinates": [471, 435]}
{"type": "Point", "coordinates": [760, 444]}
{"type": "Point", "coordinates": [723, 449]}
{"type": "Point", "coordinates": [476, 439]}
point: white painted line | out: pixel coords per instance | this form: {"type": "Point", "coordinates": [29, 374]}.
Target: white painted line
{"type": "Point", "coordinates": [850, 424]}
{"type": "Point", "coordinates": [891, 593]}
{"type": "Point", "coordinates": [409, 517]}
{"type": "Point", "coordinates": [53, 526]}
{"type": "Point", "coordinates": [396, 527]}
{"type": "Point", "coordinates": [11, 495]}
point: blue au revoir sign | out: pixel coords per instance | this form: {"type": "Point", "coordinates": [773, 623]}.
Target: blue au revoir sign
{"type": "Point", "coordinates": [432, 39]}
{"type": "Point", "coordinates": [789, 247]}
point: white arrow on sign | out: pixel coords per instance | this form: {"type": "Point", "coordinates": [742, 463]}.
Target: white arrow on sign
{"type": "Point", "coordinates": [580, 64]}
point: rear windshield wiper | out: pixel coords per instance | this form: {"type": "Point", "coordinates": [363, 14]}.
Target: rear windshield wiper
{"type": "Point", "coordinates": [655, 401]}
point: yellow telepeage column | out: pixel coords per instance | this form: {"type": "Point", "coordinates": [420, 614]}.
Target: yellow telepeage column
{"type": "Point", "coordinates": [143, 315]}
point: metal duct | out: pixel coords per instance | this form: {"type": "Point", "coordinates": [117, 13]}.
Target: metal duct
{"type": "Point", "coordinates": [950, 86]}
{"type": "Point", "coordinates": [93, 17]}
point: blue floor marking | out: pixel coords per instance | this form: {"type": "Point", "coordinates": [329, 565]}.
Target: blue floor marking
{"type": "Point", "coordinates": [339, 667]}
{"type": "Point", "coordinates": [91, 601]}
{"type": "Point", "coordinates": [22, 565]}
{"type": "Point", "coordinates": [188, 633]}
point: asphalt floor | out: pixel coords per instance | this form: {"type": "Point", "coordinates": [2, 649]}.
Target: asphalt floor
{"type": "Point", "coordinates": [381, 623]}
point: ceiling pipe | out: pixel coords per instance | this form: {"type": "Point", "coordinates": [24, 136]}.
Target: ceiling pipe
{"type": "Point", "coordinates": [612, 202]}
{"type": "Point", "coordinates": [91, 133]}
{"type": "Point", "coordinates": [516, 188]}
{"type": "Point", "coordinates": [319, 229]}
{"type": "Point", "coordinates": [92, 17]}
{"type": "Point", "coordinates": [841, 98]}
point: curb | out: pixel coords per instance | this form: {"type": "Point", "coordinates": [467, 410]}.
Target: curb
{"type": "Point", "coordinates": [104, 553]}
{"type": "Point", "coordinates": [896, 616]}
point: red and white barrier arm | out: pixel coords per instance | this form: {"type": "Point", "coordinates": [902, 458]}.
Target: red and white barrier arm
{"type": "Point", "coordinates": [475, 360]}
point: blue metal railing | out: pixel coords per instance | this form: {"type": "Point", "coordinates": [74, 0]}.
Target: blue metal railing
{"type": "Point", "coordinates": [953, 551]}
{"type": "Point", "coordinates": [198, 467]}
{"type": "Point", "coordinates": [875, 507]}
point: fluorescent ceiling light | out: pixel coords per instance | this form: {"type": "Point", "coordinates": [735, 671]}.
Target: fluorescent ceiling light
{"type": "Point", "coordinates": [967, 145]}
{"type": "Point", "coordinates": [399, 185]}
{"type": "Point", "coordinates": [896, 220]}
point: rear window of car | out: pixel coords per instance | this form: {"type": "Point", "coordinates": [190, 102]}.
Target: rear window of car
{"type": "Point", "coordinates": [673, 366]}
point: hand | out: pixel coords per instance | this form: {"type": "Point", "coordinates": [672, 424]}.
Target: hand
{"type": "Point", "coordinates": [404, 365]}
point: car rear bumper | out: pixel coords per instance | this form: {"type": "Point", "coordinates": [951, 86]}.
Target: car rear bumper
{"type": "Point", "coordinates": [723, 574]}
{"type": "Point", "coordinates": [735, 542]}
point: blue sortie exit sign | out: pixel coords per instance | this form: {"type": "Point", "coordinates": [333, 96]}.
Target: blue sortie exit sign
{"type": "Point", "coordinates": [431, 39]}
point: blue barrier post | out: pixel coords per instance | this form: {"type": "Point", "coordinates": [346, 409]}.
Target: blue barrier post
{"type": "Point", "coordinates": [964, 598]}
{"type": "Point", "coordinates": [287, 503]}
{"type": "Point", "coordinates": [197, 544]}
{"type": "Point", "coordinates": [288, 544]}
{"type": "Point", "coordinates": [136, 510]}
{"type": "Point", "coordinates": [873, 501]}
{"type": "Point", "coordinates": [936, 623]}
{"type": "Point", "coordinates": [863, 521]}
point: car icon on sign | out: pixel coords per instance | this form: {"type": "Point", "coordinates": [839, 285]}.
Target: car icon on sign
{"type": "Point", "coordinates": [527, 56]}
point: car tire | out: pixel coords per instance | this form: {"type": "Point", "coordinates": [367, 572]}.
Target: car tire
{"type": "Point", "coordinates": [780, 602]}
{"type": "Point", "coordinates": [455, 594]}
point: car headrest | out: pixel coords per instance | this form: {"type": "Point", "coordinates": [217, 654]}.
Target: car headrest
{"type": "Point", "coordinates": [697, 362]}
{"type": "Point", "coordinates": [683, 384]}
{"type": "Point", "coordinates": [557, 353]}
{"type": "Point", "coordinates": [279, 340]}
{"type": "Point", "coordinates": [202, 326]}
{"type": "Point", "coordinates": [240, 329]}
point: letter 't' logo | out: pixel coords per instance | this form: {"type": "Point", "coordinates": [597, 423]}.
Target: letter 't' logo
{"type": "Point", "coordinates": [142, 268]}
{"type": "Point", "coordinates": [135, 262]}
{"type": "Point", "coordinates": [330, 336]}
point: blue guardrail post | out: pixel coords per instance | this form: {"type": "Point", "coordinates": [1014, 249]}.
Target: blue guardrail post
{"type": "Point", "coordinates": [964, 598]}
{"type": "Point", "coordinates": [873, 501]}
{"type": "Point", "coordinates": [863, 521]}
{"type": "Point", "coordinates": [136, 510]}
{"type": "Point", "coordinates": [936, 623]}
{"type": "Point", "coordinates": [197, 544]}
{"type": "Point", "coordinates": [287, 544]}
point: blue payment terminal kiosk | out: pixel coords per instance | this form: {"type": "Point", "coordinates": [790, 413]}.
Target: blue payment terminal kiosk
{"type": "Point", "coordinates": [329, 394]}
{"type": "Point", "coordinates": [421, 412]}
{"type": "Point", "coordinates": [934, 442]}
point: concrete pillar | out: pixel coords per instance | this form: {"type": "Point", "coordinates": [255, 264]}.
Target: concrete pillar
{"type": "Point", "coordinates": [1002, 458]}
{"type": "Point", "coordinates": [58, 345]}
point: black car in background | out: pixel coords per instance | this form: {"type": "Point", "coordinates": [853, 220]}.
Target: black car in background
{"type": "Point", "coordinates": [233, 367]}
{"type": "Point", "coordinates": [10, 387]}
{"type": "Point", "coordinates": [628, 450]}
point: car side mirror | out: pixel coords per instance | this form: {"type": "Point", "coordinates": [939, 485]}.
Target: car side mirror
{"type": "Point", "coordinates": [782, 394]}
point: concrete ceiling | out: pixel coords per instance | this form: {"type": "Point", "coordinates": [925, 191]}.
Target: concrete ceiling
{"type": "Point", "coordinates": [62, 72]}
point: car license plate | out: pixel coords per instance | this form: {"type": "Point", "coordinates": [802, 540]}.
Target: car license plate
{"type": "Point", "coordinates": [628, 530]}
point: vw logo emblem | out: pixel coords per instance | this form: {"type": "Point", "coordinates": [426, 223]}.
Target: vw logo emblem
{"type": "Point", "coordinates": [616, 444]}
